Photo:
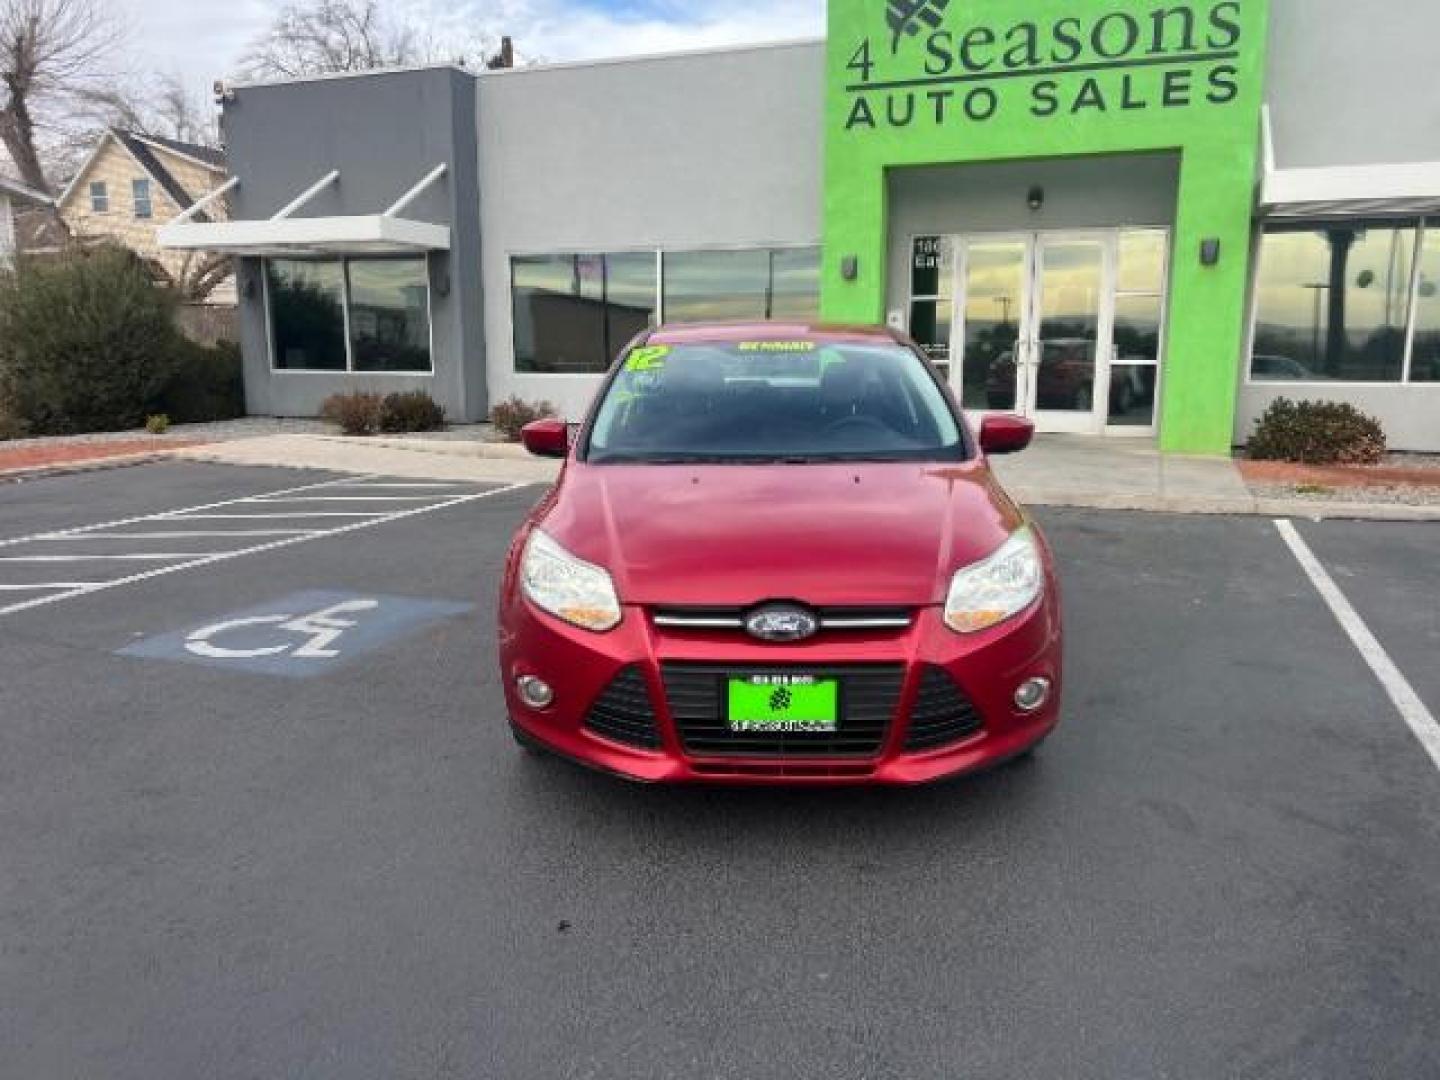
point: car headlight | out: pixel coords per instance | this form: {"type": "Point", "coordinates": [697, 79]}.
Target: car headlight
{"type": "Point", "coordinates": [568, 587]}
{"type": "Point", "coordinates": [997, 587]}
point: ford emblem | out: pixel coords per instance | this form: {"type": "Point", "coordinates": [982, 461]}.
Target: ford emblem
{"type": "Point", "coordinates": [781, 622]}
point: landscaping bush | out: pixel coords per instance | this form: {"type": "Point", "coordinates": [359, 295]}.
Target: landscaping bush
{"type": "Point", "coordinates": [11, 426]}
{"type": "Point", "coordinates": [1317, 433]}
{"type": "Point", "coordinates": [157, 424]}
{"type": "Point", "coordinates": [207, 384]}
{"type": "Point", "coordinates": [357, 413]}
{"type": "Point", "coordinates": [512, 414]}
{"type": "Point", "coordinates": [412, 410]}
{"type": "Point", "coordinates": [87, 342]}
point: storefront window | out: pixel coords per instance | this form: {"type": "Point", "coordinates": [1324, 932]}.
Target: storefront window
{"type": "Point", "coordinates": [757, 284]}
{"type": "Point", "coordinates": [307, 314]}
{"type": "Point", "coordinates": [573, 313]}
{"type": "Point", "coordinates": [1333, 302]}
{"type": "Point", "coordinates": [389, 314]}
{"type": "Point", "coordinates": [1425, 361]}
{"type": "Point", "coordinates": [932, 305]}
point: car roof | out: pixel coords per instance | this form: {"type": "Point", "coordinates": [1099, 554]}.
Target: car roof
{"type": "Point", "coordinates": [721, 333]}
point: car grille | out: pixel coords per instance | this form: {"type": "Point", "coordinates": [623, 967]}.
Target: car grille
{"type": "Point", "coordinates": [942, 713]}
{"type": "Point", "coordinates": [624, 712]}
{"type": "Point", "coordinates": [831, 618]}
{"type": "Point", "coordinates": [868, 697]}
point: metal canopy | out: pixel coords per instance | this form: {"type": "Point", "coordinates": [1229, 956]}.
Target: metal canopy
{"type": "Point", "coordinates": [284, 234]}
{"type": "Point", "coordinates": [1347, 191]}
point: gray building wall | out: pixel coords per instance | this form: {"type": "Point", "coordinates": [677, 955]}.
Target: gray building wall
{"type": "Point", "coordinates": [701, 150]}
{"type": "Point", "coordinates": [383, 132]}
{"type": "Point", "coordinates": [1080, 193]}
{"type": "Point", "coordinates": [1353, 83]}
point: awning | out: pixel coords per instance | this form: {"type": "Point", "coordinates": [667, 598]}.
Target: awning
{"type": "Point", "coordinates": [1347, 191]}
{"type": "Point", "coordinates": [352, 234]}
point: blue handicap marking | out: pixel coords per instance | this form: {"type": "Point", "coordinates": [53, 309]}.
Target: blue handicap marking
{"type": "Point", "coordinates": [303, 634]}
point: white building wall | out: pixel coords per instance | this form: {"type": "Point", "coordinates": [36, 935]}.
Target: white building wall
{"type": "Point", "coordinates": [701, 150]}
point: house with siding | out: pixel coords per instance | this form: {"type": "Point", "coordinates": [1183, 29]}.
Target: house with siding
{"type": "Point", "coordinates": [130, 185]}
{"type": "Point", "coordinates": [13, 196]}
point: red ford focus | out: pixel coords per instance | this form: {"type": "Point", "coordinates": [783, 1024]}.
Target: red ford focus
{"type": "Point", "coordinates": [776, 554]}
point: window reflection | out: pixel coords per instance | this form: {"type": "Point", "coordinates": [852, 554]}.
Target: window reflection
{"type": "Point", "coordinates": [710, 286]}
{"type": "Point", "coordinates": [573, 313]}
{"type": "Point", "coordinates": [1425, 362]}
{"type": "Point", "coordinates": [306, 314]}
{"type": "Point", "coordinates": [389, 314]}
{"type": "Point", "coordinates": [1332, 304]}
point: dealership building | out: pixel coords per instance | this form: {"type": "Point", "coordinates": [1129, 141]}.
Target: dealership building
{"type": "Point", "coordinates": [1143, 218]}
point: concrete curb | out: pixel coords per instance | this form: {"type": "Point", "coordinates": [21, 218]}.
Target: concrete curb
{"type": "Point", "coordinates": [446, 447]}
{"type": "Point", "coordinates": [88, 465]}
{"type": "Point", "coordinates": [1254, 507]}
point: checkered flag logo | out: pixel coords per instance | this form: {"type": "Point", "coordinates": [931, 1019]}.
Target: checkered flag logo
{"type": "Point", "coordinates": [907, 18]}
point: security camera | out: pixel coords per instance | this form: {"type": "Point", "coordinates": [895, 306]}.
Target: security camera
{"type": "Point", "coordinates": [223, 94]}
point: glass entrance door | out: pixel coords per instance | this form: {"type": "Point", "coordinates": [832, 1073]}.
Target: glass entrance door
{"type": "Point", "coordinates": [1065, 328]}
{"type": "Point", "coordinates": [1068, 330]}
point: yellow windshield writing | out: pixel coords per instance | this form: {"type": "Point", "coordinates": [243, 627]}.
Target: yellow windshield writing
{"type": "Point", "coordinates": [647, 358]}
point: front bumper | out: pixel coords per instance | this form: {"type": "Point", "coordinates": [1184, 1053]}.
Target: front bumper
{"type": "Point", "coordinates": [580, 666]}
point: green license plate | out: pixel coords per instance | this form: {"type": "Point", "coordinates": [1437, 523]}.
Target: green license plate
{"type": "Point", "coordinates": [783, 703]}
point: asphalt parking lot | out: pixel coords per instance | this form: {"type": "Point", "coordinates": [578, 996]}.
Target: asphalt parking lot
{"type": "Point", "coordinates": [308, 848]}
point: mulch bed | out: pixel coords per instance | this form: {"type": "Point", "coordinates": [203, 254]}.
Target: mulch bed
{"type": "Point", "coordinates": [45, 455]}
{"type": "Point", "coordinates": [1339, 476]}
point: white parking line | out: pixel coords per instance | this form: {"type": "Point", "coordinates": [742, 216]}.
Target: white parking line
{"type": "Point", "coordinates": [1412, 710]}
{"type": "Point", "coordinates": [181, 516]}
{"type": "Point", "coordinates": [442, 503]}
{"type": "Point", "coordinates": [50, 586]}
{"type": "Point", "coordinates": [340, 498]}
{"type": "Point", "coordinates": [191, 533]}
{"type": "Point", "coordinates": [102, 557]}
{"type": "Point", "coordinates": [100, 526]}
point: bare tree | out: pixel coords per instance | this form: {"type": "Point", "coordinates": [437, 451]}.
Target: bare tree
{"type": "Point", "coordinates": [52, 55]}
{"type": "Point", "coordinates": [319, 37]}
{"type": "Point", "coordinates": [324, 37]}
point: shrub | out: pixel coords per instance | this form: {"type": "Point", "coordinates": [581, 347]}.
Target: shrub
{"type": "Point", "coordinates": [1317, 433]}
{"type": "Point", "coordinates": [12, 427]}
{"type": "Point", "coordinates": [87, 342]}
{"type": "Point", "coordinates": [512, 414]}
{"type": "Point", "coordinates": [412, 410]}
{"type": "Point", "coordinates": [208, 384]}
{"type": "Point", "coordinates": [157, 423]}
{"type": "Point", "coordinates": [357, 413]}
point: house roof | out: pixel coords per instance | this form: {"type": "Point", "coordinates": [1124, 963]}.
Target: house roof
{"type": "Point", "coordinates": [206, 155]}
{"type": "Point", "coordinates": [24, 192]}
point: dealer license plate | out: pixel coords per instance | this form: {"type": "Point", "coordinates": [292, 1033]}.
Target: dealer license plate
{"type": "Point", "coordinates": [782, 704]}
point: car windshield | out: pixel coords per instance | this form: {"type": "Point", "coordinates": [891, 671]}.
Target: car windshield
{"type": "Point", "coordinates": [766, 401]}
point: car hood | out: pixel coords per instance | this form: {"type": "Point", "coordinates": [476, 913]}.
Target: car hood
{"type": "Point", "coordinates": [822, 534]}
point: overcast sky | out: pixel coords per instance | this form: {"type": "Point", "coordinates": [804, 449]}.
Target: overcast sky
{"type": "Point", "coordinates": [202, 40]}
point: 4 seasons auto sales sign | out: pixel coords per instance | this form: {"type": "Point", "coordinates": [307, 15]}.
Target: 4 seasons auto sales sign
{"type": "Point", "coordinates": [938, 63]}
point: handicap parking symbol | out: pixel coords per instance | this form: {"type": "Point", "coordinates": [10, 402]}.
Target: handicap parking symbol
{"type": "Point", "coordinates": [303, 634]}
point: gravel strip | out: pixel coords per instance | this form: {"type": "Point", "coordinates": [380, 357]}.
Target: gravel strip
{"type": "Point", "coordinates": [1397, 495]}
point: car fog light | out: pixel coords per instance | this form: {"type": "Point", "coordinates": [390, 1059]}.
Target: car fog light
{"type": "Point", "coordinates": [536, 693]}
{"type": "Point", "coordinates": [1032, 694]}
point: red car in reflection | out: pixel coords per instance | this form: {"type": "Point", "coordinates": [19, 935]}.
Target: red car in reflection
{"type": "Point", "coordinates": [777, 554]}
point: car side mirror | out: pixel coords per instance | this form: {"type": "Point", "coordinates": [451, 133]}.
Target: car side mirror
{"type": "Point", "coordinates": [1005, 434]}
{"type": "Point", "coordinates": [546, 438]}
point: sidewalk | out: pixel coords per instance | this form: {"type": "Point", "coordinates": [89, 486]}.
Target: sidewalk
{"type": "Point", "coordinates": [1058, 470]}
